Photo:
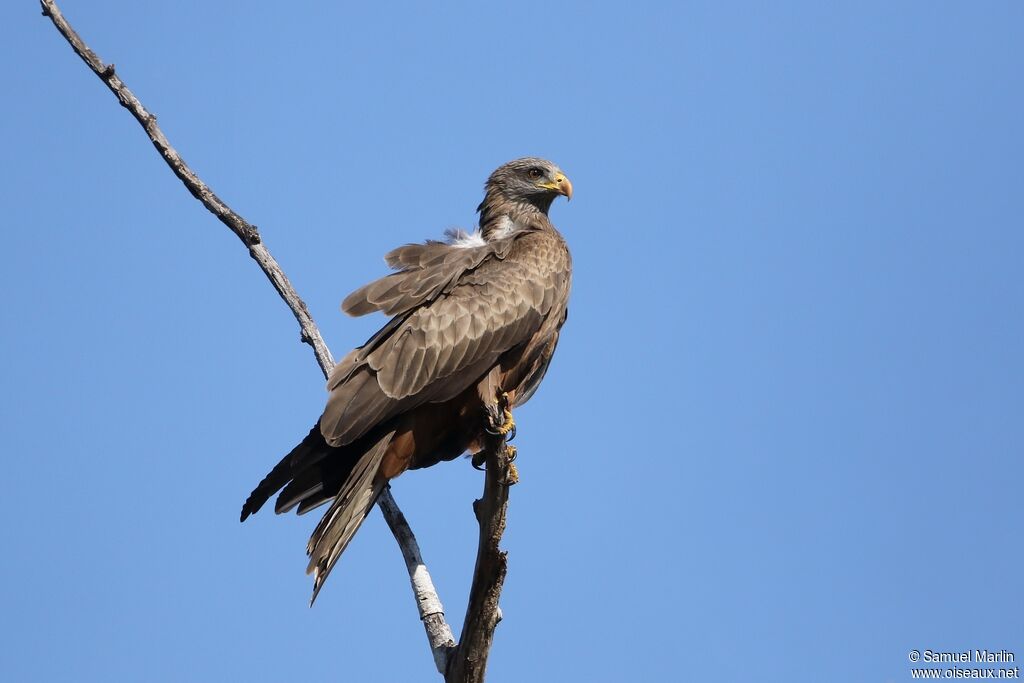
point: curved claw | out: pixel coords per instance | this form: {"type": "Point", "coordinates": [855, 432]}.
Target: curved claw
{"type": "Point", "coordinates": [478, 460]}
{"type": "Point", "coordinates": [506, 428]}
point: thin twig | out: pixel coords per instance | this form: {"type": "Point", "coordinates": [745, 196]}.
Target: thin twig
{"type": "Point", "coordinates": [422, 586]}
{"type": "Point", "coordinates": [245, 231]}
{"type": "Point", "coordinates": [439, 634]}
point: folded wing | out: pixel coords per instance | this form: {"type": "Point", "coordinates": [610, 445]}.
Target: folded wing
{"type": "Point", "coordinates": [457, 310]}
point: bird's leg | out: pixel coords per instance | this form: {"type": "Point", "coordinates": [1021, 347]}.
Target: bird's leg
{"type": "Point", "coordinates": [500, 423]}
{"type": "Point", "coordinates": [500, 420]}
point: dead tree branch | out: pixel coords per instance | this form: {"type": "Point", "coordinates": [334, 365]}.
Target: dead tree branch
{"type": "Point", "coordinates": [245, 231]}
{"type": "Point", "coordinates": [438, 632]}
{"type": "Point", "coordinates": [469, 661]}
{"type": "Point", "coordinates": [431, 611]}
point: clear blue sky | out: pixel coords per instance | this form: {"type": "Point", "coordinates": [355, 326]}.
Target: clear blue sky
{"type": "Point", "coordinates": [781, 439]}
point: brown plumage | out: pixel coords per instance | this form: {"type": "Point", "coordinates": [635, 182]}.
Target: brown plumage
{"type": "Point", "coordinates": [471, 317]}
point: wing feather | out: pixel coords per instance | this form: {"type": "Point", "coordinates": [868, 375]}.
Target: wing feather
{"type": "Point", "coordinates": [340, 523]}
{"type": "Point", "coordinates": [426, 270]}
{"type": "Point", "coordinates": [457, 311]}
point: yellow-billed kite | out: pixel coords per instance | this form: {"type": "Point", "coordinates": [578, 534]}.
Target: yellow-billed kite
{"type": "Point", "coordinates": [472, 317]}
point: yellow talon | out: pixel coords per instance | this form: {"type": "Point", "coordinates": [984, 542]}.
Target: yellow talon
{"type": "Point", "coordinates": [509, 425]}
{"type": "Point", "coordinates": [508, 428]}
{"type": "Point", "coordinates": [513, 472]}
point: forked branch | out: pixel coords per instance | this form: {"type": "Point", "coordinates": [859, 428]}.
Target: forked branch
{"type": "Point", "coordinates": [467, 661]}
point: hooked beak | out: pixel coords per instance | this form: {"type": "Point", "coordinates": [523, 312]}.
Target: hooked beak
{"type": "Point", "coordinates": [561, 185]}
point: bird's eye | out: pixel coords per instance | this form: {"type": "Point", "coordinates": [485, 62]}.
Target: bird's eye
{"type": "Point", "coordinates": [535, 173]}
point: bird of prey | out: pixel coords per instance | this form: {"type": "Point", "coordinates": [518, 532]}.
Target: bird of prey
{"type": "Point", "coordinates": [473, 318]}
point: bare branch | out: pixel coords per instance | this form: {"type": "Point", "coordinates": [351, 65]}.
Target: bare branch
{"type": "Point", "coordinates": [431, 611]}
{"type": "Point", "coordinates": [469, 662]}
{"type": "Point", "coordinates": [426, 596]}
{"type": "Point", "coordinates": [245, 231]}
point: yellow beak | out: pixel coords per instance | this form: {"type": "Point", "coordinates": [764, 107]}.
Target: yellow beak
{"type": "Point", "coordinates": [561, 185]}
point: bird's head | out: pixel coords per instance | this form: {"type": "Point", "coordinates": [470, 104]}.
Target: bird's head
{"type": "Point", "coordinates": [528, 181]}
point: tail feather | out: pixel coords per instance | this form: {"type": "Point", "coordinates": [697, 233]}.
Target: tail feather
{"type": "Point", "coordinates": [309, 483]}
{"type": "Point", "coordinates": [312, 449]}
{"type": "Point", "coordinates": [314, 473]}
{"type": "Point", "coordinates": [339, 524]}
{"type": "Point", "coordinates": [313, 468]}
{"type": "Point", "coordinates": [312, 503]}
{"type": "Point", "coordinates": [321, 482]}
